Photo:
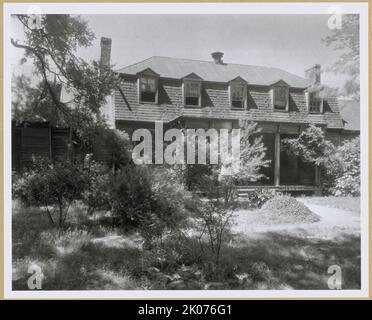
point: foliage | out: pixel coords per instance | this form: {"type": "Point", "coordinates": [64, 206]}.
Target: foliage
{"type": "Point", "coordinates": [346, 40]}
{"type": "Point", "coordinates": [213, 221]}
{"type": "Point", "coordinates": [252, 153]}
{"type": "Point", "coordinates": [115, 143]}
{"type": "Point", "coordinates": [96, 194]}
{"type": "Point", "coordinates": [32, 102]}
{"type": "Point", "coordinates": [340, 166]}
{"type": "Point", "coordinates": [151, 200]}
{"type": "Point", "coordinates": [53, 187]}
{"type": "Point", "coordinates": [52, 45]}
{"type": "Point", "coordinates": [311, 145]}
{"type": "Point", "coordinates": [348, 180]}
{"type": "Point", "coordinates": [217, 186]}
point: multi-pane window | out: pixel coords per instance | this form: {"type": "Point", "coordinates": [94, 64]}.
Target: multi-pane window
{"type": "Point", "coordinates": [192, 92]}
{"type": "Point", "coordinates": [148, 89]}
{"type": "Point", "coordinates": [280, 98]}
{"type": "Point", "coordinates": [238, 93]}
{"type": "Point", "coordinates": [315, 103]}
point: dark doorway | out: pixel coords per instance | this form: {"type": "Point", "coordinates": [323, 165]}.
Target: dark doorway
{"type": "Point", "coordinates": [293, 170]}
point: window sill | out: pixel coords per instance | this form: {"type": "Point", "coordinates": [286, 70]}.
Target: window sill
{"type": "Point", "coordinates": [279, 110]}
{"type": "Point", "coordinates": [191, 106]}
{"type": "Point", "coordinates": [147, 102]}
{"type": "Point", "coordinates": [238, 109]}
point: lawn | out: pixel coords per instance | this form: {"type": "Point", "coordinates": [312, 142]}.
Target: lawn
{"type": "Point", "coordinates": [344, 203]}
{"type": "Point", "coordinates": [260, 254]}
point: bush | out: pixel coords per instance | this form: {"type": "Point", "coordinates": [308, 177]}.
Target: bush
{"type": "Point", "coordinates": [52, 187]}
{"type": "Point", "coordinates": [348, 180]}
{"type": "Point", "coordinates": [311, 145]}
{"type": "Point", "coordinates": [340, 166]}
{"type": "Point", "coordinates": [97, 192]}
{"type": "Point", "coordinates": [151, 200]}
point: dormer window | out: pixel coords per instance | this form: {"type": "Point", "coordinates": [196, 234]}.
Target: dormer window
{"type": "Point", "coordinates": [280, 98]}
{"type": "Point", "coordinates": [192, 92]}
{"type": "Point", "coordinates": [238, 94]}
{"type": "Point", "coordinates": [148, 89]}
{"type": "Point", "coordinates": [315, 102]}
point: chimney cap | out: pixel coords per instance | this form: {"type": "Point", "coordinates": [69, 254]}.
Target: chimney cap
{"type": "Point", "coordinates": [315, 66]}
{"type": "Point", "coordinates": [217, 57]}
{"type": "Point", "coordinates": [106, 41]}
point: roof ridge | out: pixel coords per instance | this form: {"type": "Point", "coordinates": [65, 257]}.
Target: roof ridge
{"type": "Point", "coordinates": [225, 63]}
{"type": "Point", "coordinates": [264, 75]}
{"type": "Point", "coordinates": [206, 61]}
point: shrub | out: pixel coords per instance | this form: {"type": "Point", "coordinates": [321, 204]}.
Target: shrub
{"type": "Point", "coordinates": [311, 145]}
{"type": "Point", "coordinates": [97, 192]}
{"type": "Point", "coordinates": [151, 200]}
{"type": "Point", "coordinates": [215, 211]}
{"type": "Point", "coordinates": [340, 166]}
{"type": "Point", "coordinates": [52, 187]}
{"type": "Point", "coordinates": [348, 180]}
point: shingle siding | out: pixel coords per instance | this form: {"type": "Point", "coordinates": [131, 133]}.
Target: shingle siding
{"type": "Point", "coordinates": [216, 105]}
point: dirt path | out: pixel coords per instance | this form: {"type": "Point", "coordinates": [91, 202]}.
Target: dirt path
{"type": "Point", "coordinates": [333, 223]}
{"type": "Point", "coordinates": [333, 217]}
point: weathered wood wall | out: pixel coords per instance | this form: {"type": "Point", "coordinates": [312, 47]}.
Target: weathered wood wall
{"type": "Point", "coordinates": [38, 141]}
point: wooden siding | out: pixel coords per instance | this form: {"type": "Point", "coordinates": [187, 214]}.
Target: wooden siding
{"type": "Point", "coordinates": [29, 143]}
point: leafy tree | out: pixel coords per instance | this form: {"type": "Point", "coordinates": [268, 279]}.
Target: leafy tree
{"type": "Point", "coordinates": [346, 41]}
{"type": "Point", "coordinates": [347, 181]}
{"type": "Point", "coordinates": [52, 46]}
{"type": "Point", "coordinates": [340, 165]}
{"type": "Point", "coordinates": [32, 103]}
{"type": "Point", "coordinates": [215, 211]}
{"type": "Point", "coordinates": [311, 145]}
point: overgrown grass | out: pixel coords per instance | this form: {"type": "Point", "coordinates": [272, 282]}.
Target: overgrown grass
{"type": "Point", "coordinates": [89, 256]}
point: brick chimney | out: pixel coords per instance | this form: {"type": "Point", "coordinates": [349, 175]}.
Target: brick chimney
{"type": "Point", "coordinates": [105, 52]}
{"type": "Point", "coordinates": [217, 57]}
{"type": "Point", "coordinates": [313, 74]}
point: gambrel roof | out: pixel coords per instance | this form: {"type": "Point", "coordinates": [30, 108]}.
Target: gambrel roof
{"type": "Point", "coordinates": [176, 68]}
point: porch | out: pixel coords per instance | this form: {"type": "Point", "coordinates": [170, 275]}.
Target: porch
{"type": "Point", "coordinates": [286, 171]}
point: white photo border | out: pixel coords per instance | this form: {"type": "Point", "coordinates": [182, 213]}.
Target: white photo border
{"type": "Point", "coordinates": [189, 8]}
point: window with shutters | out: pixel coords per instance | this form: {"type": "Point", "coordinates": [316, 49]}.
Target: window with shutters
{"type": "Point", "coordinates": [280, 98]}
{"type": "Point", "coordinates": [148, 89]}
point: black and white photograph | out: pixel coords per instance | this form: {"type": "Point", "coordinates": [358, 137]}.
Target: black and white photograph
{"type": "Point", "coordinates": [156, 150]}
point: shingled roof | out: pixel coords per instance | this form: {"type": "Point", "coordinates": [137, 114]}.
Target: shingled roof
{"type": "Point", "coordinates": [176, 68]}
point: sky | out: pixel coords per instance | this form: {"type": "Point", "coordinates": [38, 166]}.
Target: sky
{"type": "Point", "coordinates": [290, 42]}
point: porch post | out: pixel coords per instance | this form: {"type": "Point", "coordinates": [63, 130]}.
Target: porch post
{"type": "Point", "coordinates": [317, 176]}
{"type": "Point", "coordinates": [277, 159]}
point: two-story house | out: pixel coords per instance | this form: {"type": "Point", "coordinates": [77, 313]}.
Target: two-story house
{"type": "Point", "coordinates": [216, 94]}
